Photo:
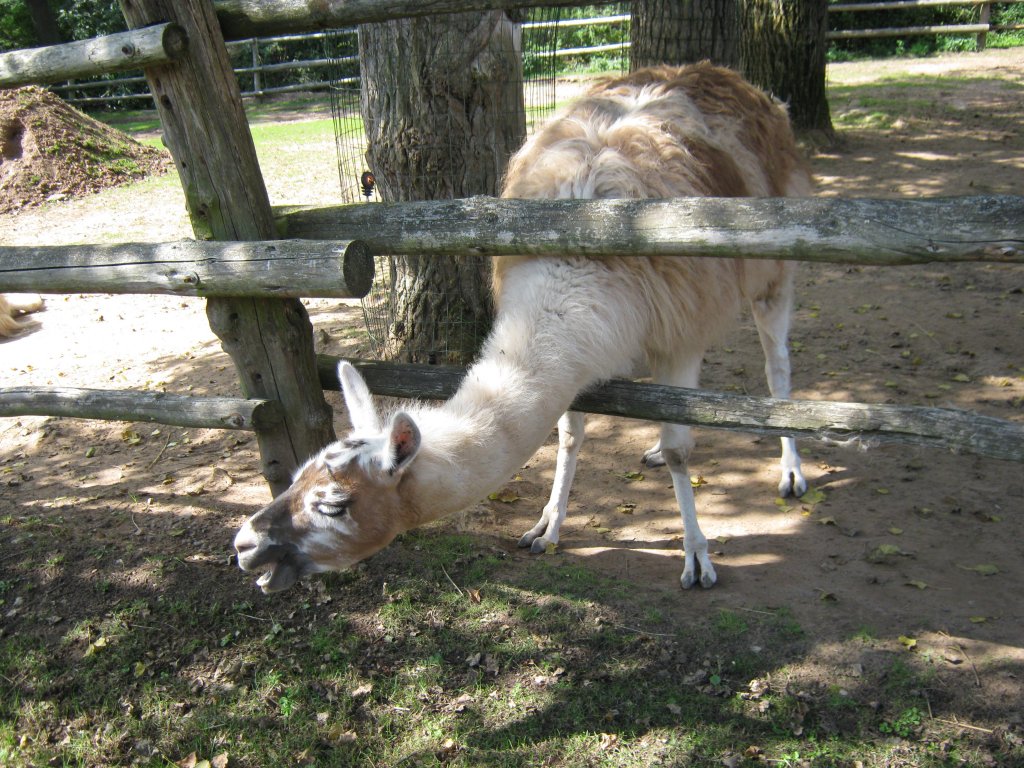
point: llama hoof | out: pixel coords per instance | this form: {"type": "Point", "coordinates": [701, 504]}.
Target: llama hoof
{"type": "Point", "coordinates": [688, 579]}
{"type": "Point", "coordinates": [707, 577]}
{"type": "Point", "coordinates": [792, 484]}
{"type": "Point", "coordinates": [653, 458]}
{"type": "Point", "coordinates": [540, 545]}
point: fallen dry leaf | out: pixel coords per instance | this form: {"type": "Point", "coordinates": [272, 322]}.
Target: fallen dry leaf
{"type": "Point", "coordinates": [363, 690]}
{"type": "Point", "coordinates": [608, 741]}
{"type": "Point", "coordinates": [985, 569]}
{"type": "Point", "coordinates": [505, 496]}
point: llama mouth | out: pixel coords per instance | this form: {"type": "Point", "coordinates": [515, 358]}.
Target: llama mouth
{"type": "Point", "coordinates": [280, 577]}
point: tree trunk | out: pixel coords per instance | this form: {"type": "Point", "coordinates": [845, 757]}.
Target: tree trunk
{"type": "Point", "coordinates": [783, 51]}
{"type": "Point", "coordinates": [44, 21]}
{"type": "Point", "coordinates": [684, 31]}
{"type": "Point", "coordinates": [442, 104]}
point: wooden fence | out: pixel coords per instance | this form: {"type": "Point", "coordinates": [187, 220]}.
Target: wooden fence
{"type": "Point", "coordinates": [258, 68]}
{"type": "Point", "coordinates": [251, 279]}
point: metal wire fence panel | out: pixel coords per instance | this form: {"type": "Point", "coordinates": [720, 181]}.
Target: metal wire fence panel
{"type": "Point", "coordinates": [551, 59]}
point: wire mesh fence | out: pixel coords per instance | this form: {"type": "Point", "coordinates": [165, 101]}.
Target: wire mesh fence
{"type": "Point", "coordinates": [549, 53]}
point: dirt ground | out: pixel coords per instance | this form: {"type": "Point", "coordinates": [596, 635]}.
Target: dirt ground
{"type": "Point", "coordinates": [894, 541]}
{"type": "Point", "coordinates": [50, 151]}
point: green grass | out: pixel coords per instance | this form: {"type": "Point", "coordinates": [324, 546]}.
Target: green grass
{"type": "Point", "coordinates": [884, 103]}
{"type": "Point", "coordinates": [492, 661]}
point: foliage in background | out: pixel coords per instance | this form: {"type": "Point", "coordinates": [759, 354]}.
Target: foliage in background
{"type": "Point", "coordinates": [920, 45]}
{"type": "Point", "coordinates": [15, 26]}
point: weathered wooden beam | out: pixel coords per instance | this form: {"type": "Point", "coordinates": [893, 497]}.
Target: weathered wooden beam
{"type": "Point", "coordinates": [137, 48]}
{"type": "Point", "coordinates": [269, 268]}
{"type": "Point", "coordinates": [947, 29]}
{"type": "Point", "coordinates": [858, 231]}
{"type": "Point", "coordinates": [950, 429]}
{"type": "Point", "coordinates": [130, 405]}
{"type": "Point", "coordinates": [270, 341]}
{"type": "Point", "coordinates": [253, 18]}
{"type": "Point", "coordinates": [894, 5]}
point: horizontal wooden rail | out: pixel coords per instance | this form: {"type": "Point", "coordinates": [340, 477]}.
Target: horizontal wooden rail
{"type": "Point", "coordinates": [274, 268]}
{"type": "Point", "coordinates": [127, 405]}
{"type": "Point", "coordinates": [954, 430]}
{"type": "Point", "coordinates": [123, 51]}
{"type": "Point", "coordinates": [255, 18]}
{"type": "Point", "coordinates": [859, 231]}
{"type": "Point", "coordinates": [938, 29]}
{"type": "Point", "coordinates": [896, 5]}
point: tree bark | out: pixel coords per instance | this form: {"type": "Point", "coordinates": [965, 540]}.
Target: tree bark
{"type": "Point", "coordinates": [44, 21]}
{"type": "Point", "coordinates": [684, 31]}
{"type": "Point", "coordinates": [836, 230]}
{"type": "Point", "coordinates": [442, 118]}
{"type": "Point", "coordinates": [783, 51]}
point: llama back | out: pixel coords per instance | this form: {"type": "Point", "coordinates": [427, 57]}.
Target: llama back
{"type": "Point", "coordinates": [662, 132]}
{"type": "Point", "coordinates": [698, 130]}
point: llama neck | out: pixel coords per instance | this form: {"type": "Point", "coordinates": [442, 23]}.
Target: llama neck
{"type": "Point", "coordinates": [529, 373]}
{"type": "Point", "coordinates": [476, 441]}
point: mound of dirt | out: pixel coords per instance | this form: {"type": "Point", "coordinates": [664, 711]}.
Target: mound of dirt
{"type": "Point", "coordinates": [49, 150]}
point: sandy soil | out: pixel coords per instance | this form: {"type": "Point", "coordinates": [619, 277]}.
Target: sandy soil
{"type": "Point", "coordinates": [932, 335]}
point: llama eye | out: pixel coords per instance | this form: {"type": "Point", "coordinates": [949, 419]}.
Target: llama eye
{"type": "Point", "coordinates": [332, 509]}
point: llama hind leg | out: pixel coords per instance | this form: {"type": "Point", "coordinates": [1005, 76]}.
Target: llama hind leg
{"type": "Point", "coordinates": [570, 439]}
{"type": "Point", "coordinates": [771, 315]}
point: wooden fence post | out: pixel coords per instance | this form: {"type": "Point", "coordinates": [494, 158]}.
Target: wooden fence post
{"type": "Point", "coordinates": [205, 128]}
{"type": "Point", "coordinates": [985, 17]}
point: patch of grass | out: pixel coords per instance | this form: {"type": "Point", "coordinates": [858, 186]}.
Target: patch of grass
{"type": "Point", "coordinates": [300, 132]}
{"type": "Point", "coordinates": [494, 660]}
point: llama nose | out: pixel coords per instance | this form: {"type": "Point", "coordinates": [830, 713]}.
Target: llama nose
{"type": "Point", "coordinates": [246, 540]}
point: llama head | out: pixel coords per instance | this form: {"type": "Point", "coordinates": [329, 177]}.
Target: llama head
{"type": "Point", "coordinates": [344, 504]}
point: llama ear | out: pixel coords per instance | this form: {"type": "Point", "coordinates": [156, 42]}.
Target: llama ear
{"type": "Point", "coordinates": [404, 442]}
{"type": "Point", "coordinates": [358, 400]}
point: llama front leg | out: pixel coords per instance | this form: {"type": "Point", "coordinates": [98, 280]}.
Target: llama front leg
{"type": "Point", "coordinates": [771, 315]}
{"type": "Point", "coordinates": [571, 428]}
{"type": "Point", "coordinates": [676, 444]}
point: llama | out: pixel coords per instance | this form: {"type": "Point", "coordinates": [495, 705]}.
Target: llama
{"type": "Point", "coordinates": [11, 307]}
{"type": "Point", "coordinates": [562, 325]}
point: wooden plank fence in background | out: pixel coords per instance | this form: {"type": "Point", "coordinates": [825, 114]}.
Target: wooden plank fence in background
{"type": "Point", "coordinates": [231, 13]}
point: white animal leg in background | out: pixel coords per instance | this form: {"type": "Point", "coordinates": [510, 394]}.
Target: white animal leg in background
{"type": "Point", "coordinates": [571, 429]}
{"type": "Point", "coordinates": [652, 456]}
{"type": "Point", "coordinates": [772, 315]}
{"type": "Point", "coordinates": [675, 446]}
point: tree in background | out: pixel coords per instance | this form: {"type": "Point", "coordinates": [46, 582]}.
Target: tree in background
{"type": "Point", "coordinates": [31, 23]}
{"type": "Point", "coordinates": [443, 110]}
{"type": "Point", "coordinates": [778, 45]}
{"type": "Point", "coordinates": [783, 50]}
{"type": "Point", "coordinates": [684, 31]}
{"type": "Point", "coordinates": [44, 20]}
